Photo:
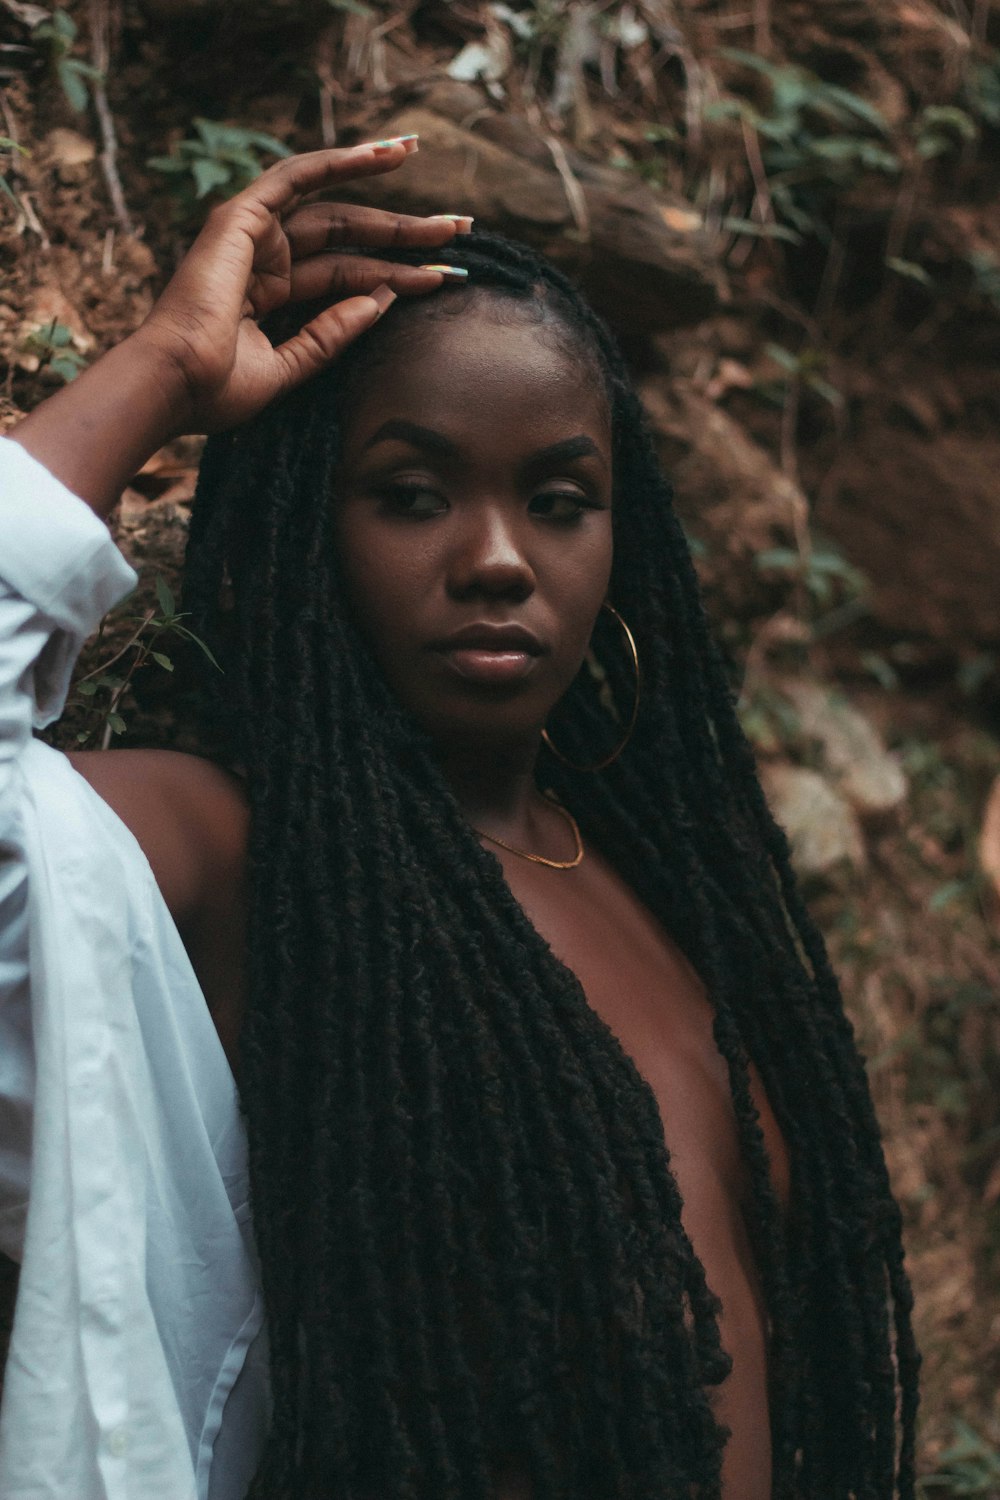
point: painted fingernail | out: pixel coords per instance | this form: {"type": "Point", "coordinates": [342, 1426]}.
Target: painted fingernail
{"type": "Point", "coordinates": [462, 222]}
{"type": "Point", "coordinates": [395, 140]}
{"type": "Point", "coordinates": [384, 296]}
{"type": "Point", "coordinates": [459, 272]}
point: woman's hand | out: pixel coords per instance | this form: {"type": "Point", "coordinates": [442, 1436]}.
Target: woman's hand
{"type": "Point", "coordinates": [261, 250]}
{"type": "Point", "coordinates": [199, 362]}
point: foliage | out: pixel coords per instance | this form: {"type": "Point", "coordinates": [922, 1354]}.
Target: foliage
{"type": "Point", "coordinates": [970, 1466]}
{"type": "Point", "coordinates": [815, 138]}
{"type": "Point", "coordinates": [6, 144]}
{"type": "Point", "coordinates": [101, 691]}
{"type": "Point", "coordinates": [219, 159]}
{"type": "Point", "coordinates": [54, 346]}
{"type": "Point", "coordinates": [834, 592]}
{"type": "Point", "coordinates": [58, 38]}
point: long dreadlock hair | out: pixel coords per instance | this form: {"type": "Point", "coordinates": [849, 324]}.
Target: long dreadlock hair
{"type": "Point", "coordinates": [469, 1233]}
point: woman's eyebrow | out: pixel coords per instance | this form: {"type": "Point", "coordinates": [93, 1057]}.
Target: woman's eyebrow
{"type": "Point", "coordinates": [413, 433]}
{"type": "Point", "coordinates": [401, 430]}
{"type": "Point", "coordinates": [564, 451]}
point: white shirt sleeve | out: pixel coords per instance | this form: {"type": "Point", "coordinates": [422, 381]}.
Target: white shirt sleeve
{"type": "Point", "coordinates": [137, 1364]}
{"type": "Point", "coordinates": [60, 572]}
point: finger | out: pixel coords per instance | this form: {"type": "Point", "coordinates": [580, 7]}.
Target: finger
{"type": "Point", "coordinates": [283, 185]}
{"type": "Point", "coordinates": [319, 342]}
{"type": "Point", "coordinates": [349, 275]}
{"type": "Point", "coordinates": [324, 226]}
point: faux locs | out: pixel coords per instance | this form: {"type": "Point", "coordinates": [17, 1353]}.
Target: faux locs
{"type": "Point", "coordinates": [469, 1232]}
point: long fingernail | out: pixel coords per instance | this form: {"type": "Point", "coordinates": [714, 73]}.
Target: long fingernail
{"type": "Point", "coordinates": [409, 141]}
{"type": "Point", "coordinates": [462, 222]}
{"type": "Point", "coordinates": [459, 272]}
{"type": "Point", "coordinates": [384, 296]}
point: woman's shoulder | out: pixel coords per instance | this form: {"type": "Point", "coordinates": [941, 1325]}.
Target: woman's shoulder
{"type": "Point", "coordinates": [189, 815]}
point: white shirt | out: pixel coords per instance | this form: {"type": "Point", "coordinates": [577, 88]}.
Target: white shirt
{"type": "Point", "coordinates": [137, 1366]}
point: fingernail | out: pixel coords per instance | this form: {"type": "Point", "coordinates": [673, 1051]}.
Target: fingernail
{"type": "Point", "coordinates": [463, 222]}
{"type": "Point", "coordinates": [384, 296]}
{"type": "Point", "coordinates": [458, 272]}
{"type": "Point", "coordinates": [395, 140]}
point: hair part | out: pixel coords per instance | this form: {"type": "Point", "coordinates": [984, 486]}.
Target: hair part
{"type": "Point", "coordinates": [470, 1236]}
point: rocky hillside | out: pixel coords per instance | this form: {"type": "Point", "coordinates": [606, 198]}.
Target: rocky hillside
{"type": "Point", "coordinates": [790, 213]}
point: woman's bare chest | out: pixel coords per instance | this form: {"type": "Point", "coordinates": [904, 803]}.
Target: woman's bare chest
{"type": "Point", "coordinates": [649, 997]}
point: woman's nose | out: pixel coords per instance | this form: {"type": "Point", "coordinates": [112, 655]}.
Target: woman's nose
{"type": "Point", "coordinates": [491, 559]}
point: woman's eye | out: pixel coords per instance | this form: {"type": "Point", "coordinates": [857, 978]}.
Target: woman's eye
{"type": "Point", "coordinates": [560, 505]}
{"type": "Point", "coordinates": [414, 500]}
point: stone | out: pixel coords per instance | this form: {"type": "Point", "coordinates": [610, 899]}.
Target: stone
{"type": "Point", "coordinates": [68, 148]}
{"type": "Point", "coordinates": [821, 825]}
{"type": "Point", "coordinates": [603, 225]}
{"type": "Point", "coordinates": [866, 773]}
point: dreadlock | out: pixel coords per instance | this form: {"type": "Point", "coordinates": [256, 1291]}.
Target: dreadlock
{"type": "Point", "coordinates": [469, 1232]}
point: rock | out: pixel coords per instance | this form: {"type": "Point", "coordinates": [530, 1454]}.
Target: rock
{"type": "Point", "coordinates": [71, 153]}
{"type": "Point", "coordinates": [822, 828]}
{"type": "Point", "coordinates": [604, 226]}
{"type": "Point", "coordinates": [730, 492]}
{"type": "Point", "coordinates": [868, 775]}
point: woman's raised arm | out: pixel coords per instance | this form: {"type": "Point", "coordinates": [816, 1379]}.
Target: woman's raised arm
{"type": "Point", "coordinates": [199, 363]}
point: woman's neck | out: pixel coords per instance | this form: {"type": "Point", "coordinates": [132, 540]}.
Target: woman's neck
{"type": "Point", "coordinates": [495, 787]}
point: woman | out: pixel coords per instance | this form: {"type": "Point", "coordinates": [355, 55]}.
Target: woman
{"type": "Point", "coordinates": [565, 1175]}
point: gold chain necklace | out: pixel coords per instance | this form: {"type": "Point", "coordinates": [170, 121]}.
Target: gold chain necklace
{"type": "Point", "coordinates": [539, 859]}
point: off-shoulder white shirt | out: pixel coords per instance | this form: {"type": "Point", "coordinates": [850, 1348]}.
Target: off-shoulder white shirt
{"type": "Point", "coordinates": [137, 1366]}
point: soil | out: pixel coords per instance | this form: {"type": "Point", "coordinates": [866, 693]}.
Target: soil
{"type": "Point", "coordinates": [835, 393]}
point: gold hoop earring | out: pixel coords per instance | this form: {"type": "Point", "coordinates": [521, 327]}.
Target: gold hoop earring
{"type": "Point", "coordinates": [608, 759]}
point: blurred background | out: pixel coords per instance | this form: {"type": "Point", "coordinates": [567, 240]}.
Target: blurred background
{"type": "Point", "coordinates": [788, 210]}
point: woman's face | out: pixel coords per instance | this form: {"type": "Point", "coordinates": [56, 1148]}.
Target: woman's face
{"type": "Point", "coordinates": [474, 521]}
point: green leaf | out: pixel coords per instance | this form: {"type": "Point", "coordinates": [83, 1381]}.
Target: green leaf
{"type": "Point", "coordinates": [6, 144]}
{"type": "Point", "coordinates": [162, 660]}
{"type": "Point", "coordinates": [164, 595]}
{"type": "Point", "coordinates": [116, 723]}
{"type": "Point", "coordinates": [73, 85]}
{"type": "Point", "coordinates": [67, 368]}
{"type": "Point", "coordinates": [190, 636]}
{"type": "Point", "coordinates": [783, 558]}
{"type": "Point", "coordinates": [209, 174]}
{"type": "Point", "coordinates": [784, 357]}
{"type": "Point", "coordinates": [761, 231]}
{"type": "Point", "coordinates": [166, 164]}
{"type": "Point", "coordinates": [910, 269]}
{"type": "Point", "coordinates": [855, 105]}
{"type": "Point", "coordinates": [86, 689]}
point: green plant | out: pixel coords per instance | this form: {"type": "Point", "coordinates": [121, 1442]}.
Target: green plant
{"type": "Point", "coordinates": [217, 159]}
{"type": "Point", "coordinates": [971, 1466]}
{"type": "Point", "coordinates": [816, 138]}
{"type": "Point", "coordinates": [982, 89]}
{"type": "Point", "coordinates": [835, 591]}
{"type": "Point", "coordinates": [101, 690]}
{"type": "Point", "coordinates": [58, 38]}
{"type": "Point", "coordinates": [54, 346]}
{"type": "Point", "coordinates": [940, 129]}
{"type": "Point", "coordinates": [985, 268]}
{"type": "Point", "coordinates": [806, 367]}
{"type": "Point", "coordinates": [7, 145]}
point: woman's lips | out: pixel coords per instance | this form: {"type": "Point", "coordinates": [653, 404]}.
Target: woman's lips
{"type": "Point", "coordinates": [487, 665]}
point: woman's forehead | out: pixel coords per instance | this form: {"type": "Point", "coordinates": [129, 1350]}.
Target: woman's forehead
{"type": "Point", "coordinates": [488, 351]}
{"type": "Point", "coordinates": [479, 380]}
